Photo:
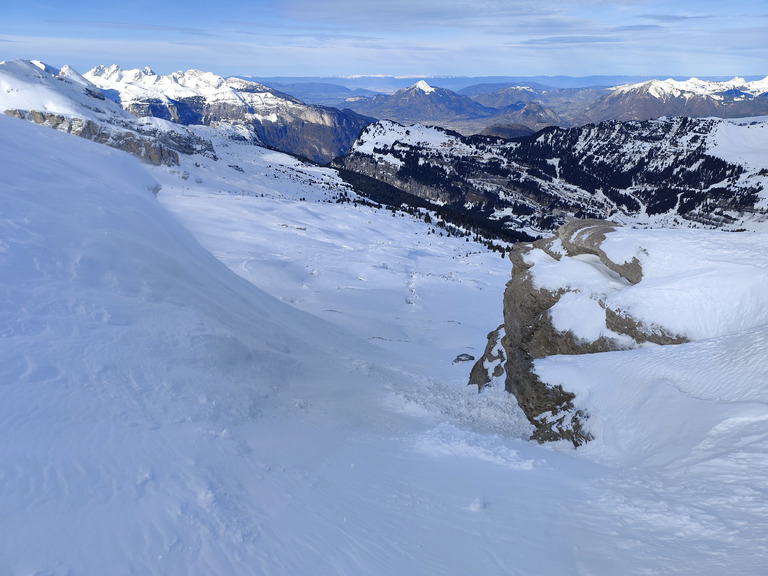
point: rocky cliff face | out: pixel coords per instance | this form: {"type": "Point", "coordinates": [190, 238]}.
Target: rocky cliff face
{"type": "Point", "coordinates": [147, 148]}
{"type": "Point", "coordinates": [531, 333]}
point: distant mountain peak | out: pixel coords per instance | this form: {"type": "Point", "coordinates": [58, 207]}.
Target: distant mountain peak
{"type": "Point", "coordinates": [423, 86]}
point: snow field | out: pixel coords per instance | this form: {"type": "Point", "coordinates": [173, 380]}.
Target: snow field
{"type": "Point", "coordinates": [162, 415]}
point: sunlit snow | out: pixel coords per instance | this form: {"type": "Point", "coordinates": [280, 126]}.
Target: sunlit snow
{"type": "Point", "coordinates": [242, 376]}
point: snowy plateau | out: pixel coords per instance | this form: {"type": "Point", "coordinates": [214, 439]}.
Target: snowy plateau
{"type": "Point", "coordinates": [233, 365]}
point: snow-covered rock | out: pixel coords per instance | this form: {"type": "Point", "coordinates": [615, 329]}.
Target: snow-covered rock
{"type": "Point", "coordinates": [596, 288]}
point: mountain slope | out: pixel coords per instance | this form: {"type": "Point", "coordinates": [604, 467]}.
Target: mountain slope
{"type": "Point", "coordinates": [669, 172]}
{"type": "Point", "coordinates": [196, 97]}
{"type": "Point", "coordinates": [694, 98]}
{"type": "Point", "coordinates": [422, 103]}
{"type": "Point", "coordinates": [64, 100]}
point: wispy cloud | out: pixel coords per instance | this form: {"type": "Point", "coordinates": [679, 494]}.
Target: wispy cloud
{"type": "Point", "coordinates": [402, 37]}
{"type": "Point", "coordinates": [675, 17]}
{"type": "Point", "coordinates": [638, 28]}
{"type": "Point", "coordinates": [548, 41]}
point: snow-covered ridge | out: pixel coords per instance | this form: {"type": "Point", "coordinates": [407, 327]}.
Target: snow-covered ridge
{"type": "Point", "coordinates": [196, 97]}
{"type": "Point", "coordinates": [192, 97]}
{"type": "Point", "coordinates": [135, 85]}
{"type": "Point", "coordinates": [694, 87]}
{"type": "Point", "coordinates": [65, 100]}
{"type": "Point", "coordinates": [33, 85]}
{"type": "Point", "coordinates": [386, 133]}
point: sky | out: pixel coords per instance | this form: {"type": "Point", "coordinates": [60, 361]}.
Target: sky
{"type": "Point", "coordinates": [397, 37]}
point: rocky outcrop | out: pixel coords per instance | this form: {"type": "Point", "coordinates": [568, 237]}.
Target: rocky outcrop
{"type": "Point", "coordinates": [529, 332]}
{"type": "Point", "coordinates": [491, 364]}
{"type": "Point", "coordinates": [145, 147]}
{"type": "Point", "coordinates": [149, 143]}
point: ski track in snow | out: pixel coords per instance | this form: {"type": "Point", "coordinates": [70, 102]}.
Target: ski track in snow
{"type": "Point", "coordinates": [161, 415]}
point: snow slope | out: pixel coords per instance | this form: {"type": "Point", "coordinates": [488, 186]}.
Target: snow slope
{"type": "Point", "coordinates": [28, 85]}
{"type": "Point", "coordinates": [160, 414]}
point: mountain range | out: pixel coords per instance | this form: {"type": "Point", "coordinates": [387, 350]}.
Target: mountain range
{"type": "Point", "coordinates": [476, 108]}
{"type": "Point", "coordinates": [667, 171]}
{"type": "Point", "coordinates": [279, 121]}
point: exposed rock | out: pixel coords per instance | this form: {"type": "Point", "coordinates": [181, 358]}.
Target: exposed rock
{"type": "Point", "coordinates": [491, 363]}
{"type": "Point", "coordinates": [148, 148]}
{"type": "Point", "coordinates": [463, 358]}
{"type": "Point", "coordinates": [586, 236]}
{"type": "Point", "coordinates": [530, 333]}
{"type": "Point", "coordinates": [623, 324]}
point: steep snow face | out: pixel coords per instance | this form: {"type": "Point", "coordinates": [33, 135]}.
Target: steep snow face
{"type": "Point", "coordinates": [742, 141]}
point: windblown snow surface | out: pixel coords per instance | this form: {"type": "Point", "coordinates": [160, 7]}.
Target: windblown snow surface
{"type": "Point", "coordinates": [229, 379]}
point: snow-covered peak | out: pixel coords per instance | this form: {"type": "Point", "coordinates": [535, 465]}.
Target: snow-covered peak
{"type": "Point", "coordinates": [44, 67]}
{"type": "Point", "coordinates": [138, 85]}
{"type": "Point", "coordinates": [73, 75]}
{"type": "Point", "coordinates": [693, 87]}
{"type": "Point", "coordinates": [107, 72]}
{"type": "Point", "coordinates": [423, 86]}
{"type": "Point", "coordinates": [34, 85]}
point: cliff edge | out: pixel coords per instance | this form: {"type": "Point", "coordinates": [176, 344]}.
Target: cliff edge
{"type": "Point", "coordinates": [559, 286]}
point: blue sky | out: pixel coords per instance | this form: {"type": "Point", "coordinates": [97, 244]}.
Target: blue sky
{"type": "Point", "coordinates": [395, 37]}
